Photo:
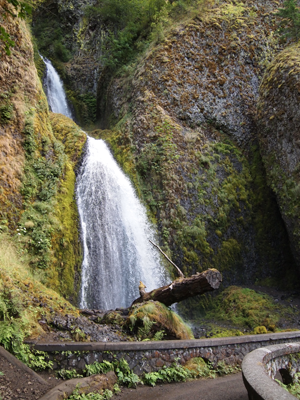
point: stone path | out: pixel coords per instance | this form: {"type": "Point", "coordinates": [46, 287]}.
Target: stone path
{"type": "Point", "coordinates": [224, 388]}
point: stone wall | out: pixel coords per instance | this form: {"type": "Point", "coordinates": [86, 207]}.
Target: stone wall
{"type": "Point", "coordinates": [264, 363]}
{"type": "Point", "coordinates": [151, 356]}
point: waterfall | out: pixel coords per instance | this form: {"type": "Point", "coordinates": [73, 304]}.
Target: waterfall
{"type": "Point", "coordinates": [114, 225]}
{"type": "Point", "coordinates": [117, 253]}
{"type": "Point", "coordinates": [55, 93]}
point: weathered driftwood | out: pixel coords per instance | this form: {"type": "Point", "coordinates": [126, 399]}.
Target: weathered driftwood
{"type": "Point", "coordinates": [183, 288]}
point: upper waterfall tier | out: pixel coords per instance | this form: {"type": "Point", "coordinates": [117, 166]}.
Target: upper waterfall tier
{"type": "Point", "coordinates": [55, 93]}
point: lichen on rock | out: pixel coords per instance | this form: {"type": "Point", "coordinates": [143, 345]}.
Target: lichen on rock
{"type": "Point", "coordinates": [279, 122]}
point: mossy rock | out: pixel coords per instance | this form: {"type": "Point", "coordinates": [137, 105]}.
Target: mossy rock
{"type": "Point", "coordinates": [242, 308]}
{"type": "Point", "coordinates": [113, 318]}
{"type": "Point", "coordinates": [279, 127]}
{"type": "Point", "coordinates": [147, 319]}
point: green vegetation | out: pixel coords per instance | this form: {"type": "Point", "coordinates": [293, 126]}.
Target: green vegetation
{"type": "Point", "coordinates": [51, 38]}
{"type": "Point", "coordinates": [120, 367]}
{"type": "Point", "coordinates": [293, 388]}
{"type": "Point", "coordinates": [23, 301]}
{"type": "Point", "coordinates": [194, 368]}
{"type": "Point", "coordinates": [39, 189]}
{"type": "Point", "coordinates": [6, 108]}
{"type": "Point", "coordinates": [48, 228]}
{"type": "Point", "coordinates": [68, 374]}
{"type": "Point", "coordinates": [104, 395]}
{"type": "Point", "coordinates": [134, 24]}
{"type": "Point", "coordinates": [20, 9]}
{"type": "Point", "coordinates": [289, 25]}
{"type": "Point", "coordinates": [85, 106]}
{"type": "Point", "coordinates": [153, 320]}
{"type": "Point", "coordinates": [243, 308]}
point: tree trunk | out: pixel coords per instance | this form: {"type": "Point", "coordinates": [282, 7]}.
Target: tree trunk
{"type": "Point", "coordinates": [183, 288]}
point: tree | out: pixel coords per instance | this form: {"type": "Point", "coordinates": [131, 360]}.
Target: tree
{"type": "Point", "coordinates": [290, 23]}
{"type": "Point", "coordinates": [20, 9]}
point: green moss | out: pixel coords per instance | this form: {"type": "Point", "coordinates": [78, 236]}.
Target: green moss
{"type": "Point", "coordinates": [23, 300]}
{"type": "Point", "coordinates": [259, 330]}
{"type": "Point", "coordinates": [244, 308]}
{"type": "Point", "coordinates": [7, 112]}
{"type": "Point", "coordinates": [39, 63]}
{"type": "Point", "coordinates": [66, 249]}
{"type": "Point", "coordinates": [152, 317]}
{"type": "Point", "coordinates": [228, 255]}
{"type": "Point", "coordinates": [49, 225]}
{"type": "Point", "coordinates": [65, 242]}
{"type": "Point", "coordinates": [85, 106]}
{"type": "Point", "coordinates": [43, 166]}
{"type": "Point", "coordinates": [70, 134]}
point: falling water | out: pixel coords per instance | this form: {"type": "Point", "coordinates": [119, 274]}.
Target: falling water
{"type": "Point", "coordinates": [54, 89]}
{"type": "Point", "coordinates": [117, 253]}
{"type": "Point", "coordinates": [115, 229]}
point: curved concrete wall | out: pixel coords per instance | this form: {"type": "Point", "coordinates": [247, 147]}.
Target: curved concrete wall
{"type": "Point", "coordinates": [261, 365]}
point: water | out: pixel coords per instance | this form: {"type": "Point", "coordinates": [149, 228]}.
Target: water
{"type": "Point", "coordinates": [114, 225]}
{"type": "Point", "coordinates": [115, 230]}
{"type": "Point", "coordinates": [55, 93]}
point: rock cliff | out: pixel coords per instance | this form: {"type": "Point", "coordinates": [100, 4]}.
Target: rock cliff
{"type": "Point", "coordinates": [37, 169]}
{"type": "Point", "coordinates": [279, 134]}
{"type": "Point", "coordinates": [187, 120]}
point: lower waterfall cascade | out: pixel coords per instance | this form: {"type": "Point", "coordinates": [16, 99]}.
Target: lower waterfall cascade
{"type": "Point", "coordinates": [115, 232]}
{"type": "Point", "coordinates": [114, 226]}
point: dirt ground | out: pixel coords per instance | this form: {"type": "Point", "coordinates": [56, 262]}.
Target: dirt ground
{"type": "Point", "coordinates": [15, 383]}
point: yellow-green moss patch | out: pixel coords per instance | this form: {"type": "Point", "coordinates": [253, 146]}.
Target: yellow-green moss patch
{"type": "Point", "coordinates": [152, 317]}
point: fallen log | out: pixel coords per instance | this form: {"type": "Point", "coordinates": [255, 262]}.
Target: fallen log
{"type": "Point", "coordinates": [183, 288]}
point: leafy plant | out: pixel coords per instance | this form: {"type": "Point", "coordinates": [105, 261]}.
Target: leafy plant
{"type": "Point", "coordinates": [104, 395]}
{"type": "Point", "coordinates": [175, 373]}
{"type": "Point", "coordinates": [98, 368]}
{"type": "Point", "coordinates": [68, 374]}
{"type": "Point", "coordinates": [124, 373]}
{"type": "Point", "coordinates": [120, 367]}
{"type": "Point", "coordinates": [6, 112]}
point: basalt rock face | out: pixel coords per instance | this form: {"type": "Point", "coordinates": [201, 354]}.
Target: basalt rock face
{"type": "Point", "coordinates": [188, 119]}
{"type": "Point", "coordinates": [209, 69]}
{"type": "Point", "coordinates": [279, 118]}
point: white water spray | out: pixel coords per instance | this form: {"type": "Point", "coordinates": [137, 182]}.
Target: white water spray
{"type": "Point", "coordinates": [55, 93]}
{"type": "Point", "coordinates": [115, 229]}
{"type": "Point", "coordinates": [117, 253]}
